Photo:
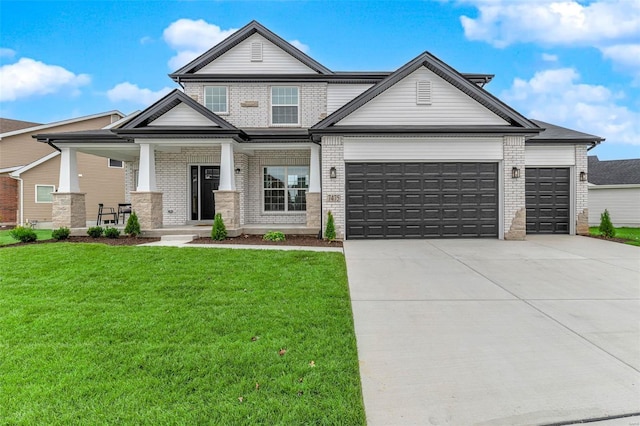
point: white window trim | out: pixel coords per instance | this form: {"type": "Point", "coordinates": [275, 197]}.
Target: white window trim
{"type": "Point", "coordinates": [36, 194]}
{"type": "Point", "coordinates": [114, 167]}
{"type": "Point", "coordinates": [271, 124]}
{"type": "Point", "coordinates": [204, 98]}
{"type": "Point", "coordinates": [285, 212]}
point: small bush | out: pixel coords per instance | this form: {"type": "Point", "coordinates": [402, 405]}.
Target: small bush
{"type": "Point", "coordinates": [95, 231]}
{"type": "Point", "coordinates": [219, 231]}
{"type": "Point", "coordinates": [330, 231]}
{"type": "Point", "coordinates": [110, 232]}
{"type": "Point", "coordinates": [61, 233]}
{"type": "Point", "coordinates": [274, 236]}
{"type": "Point", "coordinates": [133, 225]}
{"type": "Point", "coordinates": [606, 227]}
{"type": "Point", "coordinates": [23, 234]}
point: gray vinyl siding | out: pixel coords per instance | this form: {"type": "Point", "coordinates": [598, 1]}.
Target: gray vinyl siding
{"type": "Point", "coordinates": [238, 60]}
{"type": "Point", "coordinates": [182, 115]}
{"type": "Point", "coordinates": [471, 148]}
{"type": "Point", "coordinates": [623, 204]}
{"type": "Point", "coordinates": [550, 155]}
{"type": "Point", "coordinates": [397, 106]}
{"type": "Point", "coordinates": [339, 94]}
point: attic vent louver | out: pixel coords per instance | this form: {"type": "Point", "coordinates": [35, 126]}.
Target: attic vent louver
{"type": "Point", "coordinates": [423, 92]}
{"type": "Point", "coordinates": [256, 51]}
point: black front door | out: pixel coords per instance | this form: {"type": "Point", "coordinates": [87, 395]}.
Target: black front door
{"type": "Point", "coordinates": [204, 180]}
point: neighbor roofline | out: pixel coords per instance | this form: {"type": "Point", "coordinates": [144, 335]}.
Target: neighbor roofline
{"type": "Point", "coordinates": [253, 27]}
{"type": "Point", "coordinates": [60, 123]}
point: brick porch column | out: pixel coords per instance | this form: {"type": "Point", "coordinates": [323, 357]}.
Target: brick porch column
{"type": "Point", "coordinates": [146, 201]}
{"type": "Point", "coordinates": [515, 211]}
{"type": "Point", "coordinates": [314, 215]}
{"type": "Point", "coordinates": [69, 208]}
{"type": "Point", "coordinates": [228, 205]}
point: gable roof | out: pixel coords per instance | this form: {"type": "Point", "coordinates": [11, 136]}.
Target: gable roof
{"type": "Point", "coordinates": [613, 172]}
{"type": "Point", "coordinates": [60, 123]}
{"type": "Point", "coordinates": [554, 133]}
{"type": "Point", "coordinates": [445, 72]}
{"type": "Point", "coordinates": [242, 34]}
{"type": "Point", "coordinates": [9, 125]}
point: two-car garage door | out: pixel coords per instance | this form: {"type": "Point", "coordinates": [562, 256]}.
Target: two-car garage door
{"type": "Point", "coordinates": [421, 200]}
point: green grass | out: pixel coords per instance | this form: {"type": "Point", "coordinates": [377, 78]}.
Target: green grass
{"type": "Point", "coordinates": [5, 238]}
{"type": "Point", "coordinates": [632, 235]}
{"type": "Point", "coordinates": [94, 334]}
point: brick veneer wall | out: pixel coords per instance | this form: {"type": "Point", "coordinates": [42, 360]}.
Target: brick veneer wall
{"type": "Point", "coordinates": [514, 189]}
{"type": "Point", "coordinates": [313, 103]}
{"type": "Point", "coordinates": [582, 191]}
{"type": "Point", "coordinates": [8, 200]}
{"type": "Point", "coordinates": [333, 191]}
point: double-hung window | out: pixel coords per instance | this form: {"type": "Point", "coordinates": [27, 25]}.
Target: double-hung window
{"type": "Point", "coordinates": [285, 188]}
{"type": "Point", "coordinates": [285, 105]}
{"type": "Point", "coordinates": [216, 99]}
{"type": "Point", "coordinates": [43, 193]}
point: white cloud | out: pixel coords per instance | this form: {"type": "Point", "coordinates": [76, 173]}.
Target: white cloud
{"type": "Point", "coordinates": [7, 53]}
{"type": "Point", "coordinates": [549, 58]}
{"type": "Point", "coordinates": [626, 56]}
{"type": "Point", "coordinates": [558, 97]}
{"type": "Point", "coordinates": [29, 77]}
{"type": "Point", "coordinates": [146, 40]}
{"type": "Point", "coordinates": [191, 38]}
{"type": "Point", "coordinates": [129, 92]}
{"type": "Point", "coordinates": [299, 45]}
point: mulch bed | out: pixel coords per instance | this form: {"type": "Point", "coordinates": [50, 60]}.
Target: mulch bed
{"type": "Point", "coordinates": [614, 239]}
{"type": "Point", "coordinates": [121, 241]}
{"type": "Point", "coordinates": [291, 240]}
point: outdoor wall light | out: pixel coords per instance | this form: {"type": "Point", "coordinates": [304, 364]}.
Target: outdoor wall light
{"type": "Point", "coordinates": [238, 171]}
{"type": "Point", "coordinates": [515, 173]}
{"type": "Point", "coordinates": [333, 173]}
{"type": "Point", "coordinates": [583, 177]}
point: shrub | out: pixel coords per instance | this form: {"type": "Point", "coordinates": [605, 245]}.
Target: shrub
{"type": "Point", "coordinates": [95, 231]}
{"type": "Point", "coordinates": [274, 236]}
{"type": "Point", "coordinates": [330, 231]}
{"type": "Point", "coordinates": [219, 231]}
{"type": "Point", "coordinates": [111, 232]}
{"type": "Point", "coordinates": [606, 227]}
{"type": "Point", "coordinates": [23, 234]}
{"type": "Point", "coordinates": [133, 225]}
{"type": "Point", "coordinates": [61, 233]}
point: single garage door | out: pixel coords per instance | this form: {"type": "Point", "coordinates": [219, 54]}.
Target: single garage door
{"type": "Point", "coordinates": [548, 200]}
{"type": "Point", "coordinates": [421, 200]}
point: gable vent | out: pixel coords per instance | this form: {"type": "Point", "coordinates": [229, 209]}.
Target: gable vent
{"type": "Point", "coordinates": [423, 92]}
{"type": "Point", "coordinates": [256, 51]}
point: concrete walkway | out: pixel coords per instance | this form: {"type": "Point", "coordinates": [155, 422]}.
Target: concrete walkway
{"type": "Point", "coordinates": [487, 332]}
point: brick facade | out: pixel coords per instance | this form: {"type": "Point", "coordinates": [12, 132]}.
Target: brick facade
{"type": "Point", "coordinates": [333, 190]}
{"type": "Point", "coordinates": [69, 210]}
{"type": "Point", "coordinates": [582, 191]}
{"type": "Point", "coordinates": [513, 188]}
{"type": "Point", "coordinates": [8, 200]}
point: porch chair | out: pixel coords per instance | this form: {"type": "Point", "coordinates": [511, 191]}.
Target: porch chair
{"type": "Point", "coordinates": [124, 209]}
{"type": "Point", "coordinates": [106, 212]}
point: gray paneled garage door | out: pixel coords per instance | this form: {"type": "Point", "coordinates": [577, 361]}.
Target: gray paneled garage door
{"type": "Point", "coordinates": [421, 200]}
{"type": "Point", "coordinates": [548, 200]}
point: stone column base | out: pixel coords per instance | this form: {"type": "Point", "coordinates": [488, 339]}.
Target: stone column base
{"type": "Point", "coordinates": [582, 225]}
{"type": "Point", "coordinates": [148, 208]}
{"type": "Point", "coordinates": [227, 203]}
{"type": "Point", "coordinates": [69, 210]}
{"type": "Point", "coordinates": [518, 229]}
{"type": "Point", "coordinates": [314, 214]}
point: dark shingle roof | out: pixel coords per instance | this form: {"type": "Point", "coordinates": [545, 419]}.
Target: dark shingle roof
{"type": "Point", "coordinates": [614, 172]}
{"type": "Point", "coordinates": [553, 133]}
{"type": "Point", "coordinates": [8, 125]}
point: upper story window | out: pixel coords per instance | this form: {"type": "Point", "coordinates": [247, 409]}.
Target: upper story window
{"type": "Point", "coordinates": [216, 99]}
{"type": "Point", "coordinates": [285, 102]}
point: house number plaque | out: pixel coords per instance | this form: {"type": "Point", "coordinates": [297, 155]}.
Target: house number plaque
{"type": "Point", "coordinates": [333, 198]}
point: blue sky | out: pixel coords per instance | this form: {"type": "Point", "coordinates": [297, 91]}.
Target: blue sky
{"type": "Point", "coordinates": [572, 63]}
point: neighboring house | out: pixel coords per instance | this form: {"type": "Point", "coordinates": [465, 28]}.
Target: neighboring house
{"type": "Point", "coordinates": [614, 185]}
{"type": "Point", "coordinates": [30, 171]}
{"type": "Point", "coordinates": [280, 140]}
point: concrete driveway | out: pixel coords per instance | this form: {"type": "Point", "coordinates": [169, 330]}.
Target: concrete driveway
{"type": "Point", "coordinates": [488, 332]}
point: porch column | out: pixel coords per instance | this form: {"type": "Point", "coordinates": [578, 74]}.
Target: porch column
{"type": "Point", "coordinates": [313, 193]}
{"type": "Point", "coordinates": [146, 200]}
{"type": "Point", "coordinates": [226, 198]}
{"type": "Point", "coordinates": [69, 209]}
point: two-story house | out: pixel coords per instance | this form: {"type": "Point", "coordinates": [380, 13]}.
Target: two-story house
{"type": "Point", "coordinates": [270, 138]}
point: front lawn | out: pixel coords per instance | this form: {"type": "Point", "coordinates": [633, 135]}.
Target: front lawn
{"type": "Point", "coordinates": [93, 334]}
{"type": "Point", "coordinates": [5, 238]}
{"type": "Point", "coordinates": [632, 235]}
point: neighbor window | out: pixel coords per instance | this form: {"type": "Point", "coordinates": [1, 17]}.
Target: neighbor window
{"type": "Point", "coordinates": [115, 163]}
{"type": "Point", "coordinates": [285, 188]}
{"type": "Point", "coordinates": [284, 105]}
{"type": "Point", "coordinates": [43, 193]}
{"type": "Point", "coordinates": [215, 98]}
